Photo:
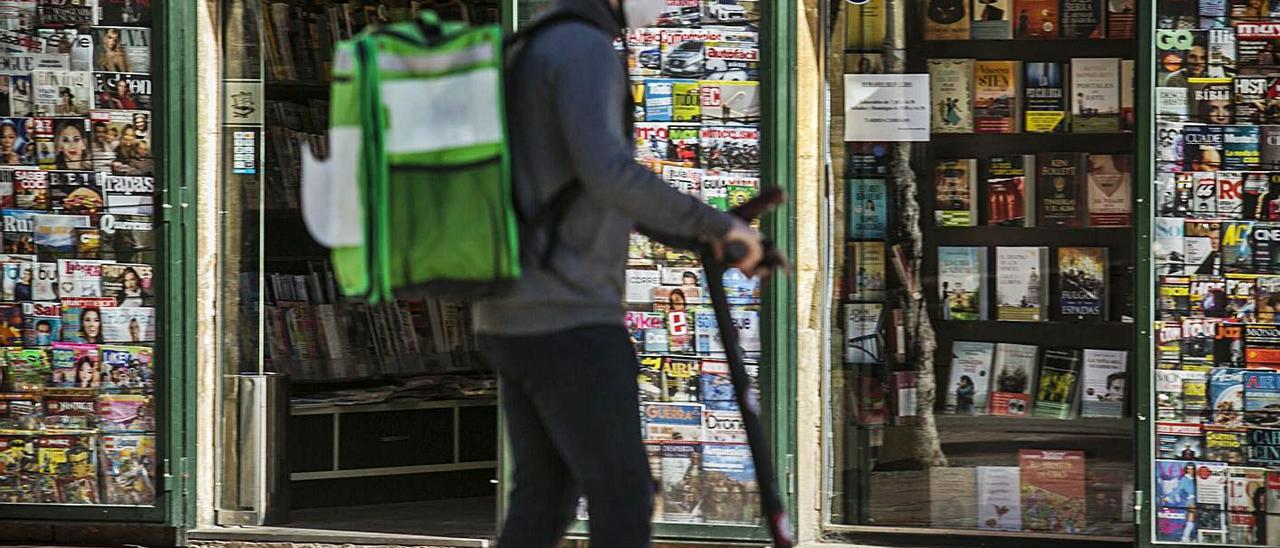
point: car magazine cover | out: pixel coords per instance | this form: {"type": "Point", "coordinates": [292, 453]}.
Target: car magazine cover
{"type": "Point", "coordinates": [673, 421]}
{"type": "Point", "coordinates": [129, 469]}
{"type": "Point", "coordinates": [41, 323]}
{"type": "Point", "coordinates": [128, 325]}
{"type": "Point", "coordinates": [680, 13]}
{"type": "Point", "coordinates": [69, 409]}
{"type": "Point", "coordinates": [126, 413]}
{"type": "Point", "coordinates": [1053, 494]}
{"type": "Point", "coordinates": [127, 368]}
{"type": "Point", "coordinates": [733, 61]}
{"type": "Point", "coordinates": [122, 49]}
{"type": "Point", "coordinates": [682, 482]}
{"type": "Point", "coordinates": [644, 51]}
{"type": "Point", "coordinates": [729, 480]}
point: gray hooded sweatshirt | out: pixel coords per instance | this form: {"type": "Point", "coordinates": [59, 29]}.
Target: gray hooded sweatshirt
{"type": "Point", "coordinates": [565, 113]}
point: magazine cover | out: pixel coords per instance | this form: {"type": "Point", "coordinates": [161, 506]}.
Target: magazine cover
{"type": "Point", "coordinates": [673, 421]}
{"type": "Point", "coordinates": [730, 147]}
{"type": "Point", "coordinates": [56, 235]}
{"type": "Point", "coordinates": [28, 368]}
{"type": "Point", "coordinates": [1204, 147]}
{"type": "Point", "coordinates": [1264, 447]}
{"type": "Point", "coordinates": [17, 132]}
{"type": "Point", "coordinates": [687, 180]}
{"type": "Point", "coordinates": [1180, 440]}
{"type": "Point", "coordinates": [1202, 243]}
{"type": "Point", "coordinates": [638, 323]}
{"type": "Point", "coordinates": [42, 323]}
{"type": "Point", "coordinates": [21, 96]}
{"type": "Point", "coordinates": [122, 49]}
{"type": "Point", "coordinates": [65, 13]}
{"type": "Point", "coordinates": [1236, 244]}
{"type": "Point", "coordinates": [658, 105]}
{"type": "Point", "coordinates": [82, 319]}
{"type": "Point", "coordinates": [730, 102]}
{"type": "Point", "coordinates": [129, 284]}
{"type": "Point", "coordinates": [73, 193]}
{"type": "Point", "coordinates": [1058, 379]}
{"type": "Point", "coordinates": [1262, 398]}
{"type": "Point", "coordinates": [79, 278]}
{"type": "Point", "coordinates": [1015, 374]}
{"type": "Point", "coordinates": [62, 93]}
{"type": "Point", "coordinates": [1226, 396]}
{"type": "Point", "coordinates": [127, 368]}
{"type": "Point", "coordinates": [1211, 499]}
{"type": "Point", "coordinates": [70, 463]}
{"type": "Point", "coordinates": [681, 378]}
{"type": "Point", "coordinates": [75, 366]}
{"type": "Point", "coordinates": [118, 413]}
{"type": "Point", "coordinates": [20, 411]}
{"type": "Point", "coordinates": [962, 283]}
{"type": "Point", "coordinates": [11, 325]}
{"type": "Point", "coordinates": [1021, 277]}
{"type": "Point", "coordinates": [1246, 487]}
{"type": "Point", "coordinates": [128, 325]}
{"type": "Point", "coordinates": [126, 13]}
{"type": "Point", "coordinates": [728, 476]}
{"type": "Point", "coordinates": [644, 51]}
{"type": "Point", "coordinates": [1082, 283]}
{"type": "Point", "coordinates": [723, 426]}
{"type": "Point", "coordinates": [970, 381]}
{"type": "Point", "coordinates": [1103, 383]}
{"type": "Point", "coordinates": [686, 98]}
{"type": "Point", "coordinates": [1053, 493]}
{"type": "Point", "coordinates": [19, 231]}
{"type": "Point", "coordinates": [732, 61]}
{"type": "Point", "coordinates": [682, 482]}
{"type": "Point", "coordinates": [121, 140]}
{"type": "Point", "coordinates": [62, 143]}
{"type": "Point", "coordinates": [999, 498]}
{"type": "Point", "coordinates": [31, 189]}
{"type": "Point", "coordinates": [129, 195]}
{"type": "Point", "coordinates": [69, 409]}
{"type": "Point", "coordinates": [129, 468]}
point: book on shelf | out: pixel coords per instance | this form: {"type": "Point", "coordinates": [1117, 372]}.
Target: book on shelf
{"type": "Point", "coordinates": [1103, 383]}
{"type": "Point", "coordinates": [865, 280]}
{"type": "Point", "coordinates": [1110, 190]}
{"type": "Point", "coordinates": [1121, 19]}
{"type": "Point", "coordinates": [1044, 100]}
{"type": "Point", "coordinates": [1095, 95]}
{"type": "Point", "coordinates": [992, 20]}
{"type": "Point", "coordinates": [868, 208]}
{"type": "Point", "coordinates": [1011, 190]}
{"type": "Point", "coordinates": [946, 20]}
{"type": "Point", "coordinates": [1061, 189]}
{"type": "Point", "coordinates": [1057, 386]}
{"type": "Point", "coordinates": [1035, 19]}
{"type": "Point", "coordinates": [1083, 283]}
{"type": "Point", "coordinates": [862, 333]}
{"type": "Point", "coordinates": [995, 96]}
{"type": "Point", "coordinates": [1053, 490]}
{"type": "Point", "coordinates": [1014, 379]}
{"type": "Point", "coordinates": [956, 192]}
{"type": "Point", "coordinates": [1083, 19]}
{"type": "Point", "coordinates": [1128, 106]}
{"type": "Point", "coordinates": [970, 384]}
{"type": "Point", "coordinates": [999, 498]}
{"type": "Point", "coordinates": [953, 497]}
{"type": "Point", "coordinates": [962, 283]}
{"type": "Point", "coordinates": [951, 95]}
{"type": "Point", "coordinates": [1021, 283]}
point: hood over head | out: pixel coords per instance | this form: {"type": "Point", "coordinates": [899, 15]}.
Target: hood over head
{"type": "Point", "coordinates": [598, 11]}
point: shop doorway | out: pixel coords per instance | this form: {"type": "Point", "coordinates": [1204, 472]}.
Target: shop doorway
{"type": "Point", "coordinates": [368, 423]}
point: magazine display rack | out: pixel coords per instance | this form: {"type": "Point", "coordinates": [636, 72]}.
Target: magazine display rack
{"type": "Point", "coordinates": [1028, 246]}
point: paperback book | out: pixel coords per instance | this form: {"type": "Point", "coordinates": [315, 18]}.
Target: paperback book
{"type": "Point", "coordinates": [1044, 101]}
{"type": "Point", "coordinates": [1082, 282]}
{"type": "Point", "coordinates": [951, 91]}
{"type": "Point", "coordinates": [1103, 383]}
{"type": "Point", "coordinates": [956, 193]}
{"type": "Point", "coordinates": [962, 283]}
{"type": "Point", "coordinates": [970, 381]}
{"type": "Point", "coordinates": [1110, 193]}
{"type": "Point", "coordinates": [995, 96]}
{"type": "Point", "coordinates": [1021, 292]}
{"type": "Point", "coordinates": [1011, 197]}
{"type": "Point", "coordinates": [1060, 191]}
{"type": "Point", "coordinates": [1057, 391]}
{"type": "Point", "coordinates": [1053, 490]}
{"type": "Point", "coordinates": [1014, 380]}
{"type": "Point", "coordinates": [1095, 92]}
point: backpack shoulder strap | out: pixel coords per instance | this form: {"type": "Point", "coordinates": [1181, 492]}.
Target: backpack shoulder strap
{"type": "Point", "coordinates": [523, 35]}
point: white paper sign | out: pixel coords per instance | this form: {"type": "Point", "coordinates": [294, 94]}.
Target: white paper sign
{"type": "Point", "coordinates": [886, 107]}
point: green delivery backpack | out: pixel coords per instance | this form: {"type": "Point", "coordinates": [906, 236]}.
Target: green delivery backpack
{"type": "Point", "coordinates": [415, 198]}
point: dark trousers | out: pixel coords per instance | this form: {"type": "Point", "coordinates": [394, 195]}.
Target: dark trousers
{"type": "Point", "coordinates": [573, 421]}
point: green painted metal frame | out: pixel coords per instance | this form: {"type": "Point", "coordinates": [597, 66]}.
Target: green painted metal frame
{"type": "Point", "coordinates": [778, 61]}
{"type": "Point", "coordinates": [175, 235]}
{"type": "Point", "coordinates": [1144, 78]}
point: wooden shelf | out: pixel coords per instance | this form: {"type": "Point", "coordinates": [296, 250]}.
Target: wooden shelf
{"type": "Point", "coordinates": [982, 145]}
{"type": "Point", "coordinates": [294, 91]}
{"type": "Point", "coordinates": [1101, 335]}
{"type": "Point", "coordinates": [1061, 50]}
{"type": "Point", "coordinates": [393, 405]}
{"type": "Point", "coordinates": [1004, 236]}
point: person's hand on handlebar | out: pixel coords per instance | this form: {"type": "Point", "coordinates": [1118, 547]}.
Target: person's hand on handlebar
{"type": "Point", "coordinates": [747, 249]}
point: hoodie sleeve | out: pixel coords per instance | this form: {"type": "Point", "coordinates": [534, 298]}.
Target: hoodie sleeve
{"type": "Point", "coordinates": [589, 86]}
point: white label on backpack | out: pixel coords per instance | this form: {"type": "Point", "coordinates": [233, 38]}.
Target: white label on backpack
{"type": "Point", "coordinates": [331, 198]}
{"type": "Point", "coordinates": [443, 113]}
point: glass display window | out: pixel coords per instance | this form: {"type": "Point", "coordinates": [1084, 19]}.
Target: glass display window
{"type": "Point", "coordinates": [982, 156]}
